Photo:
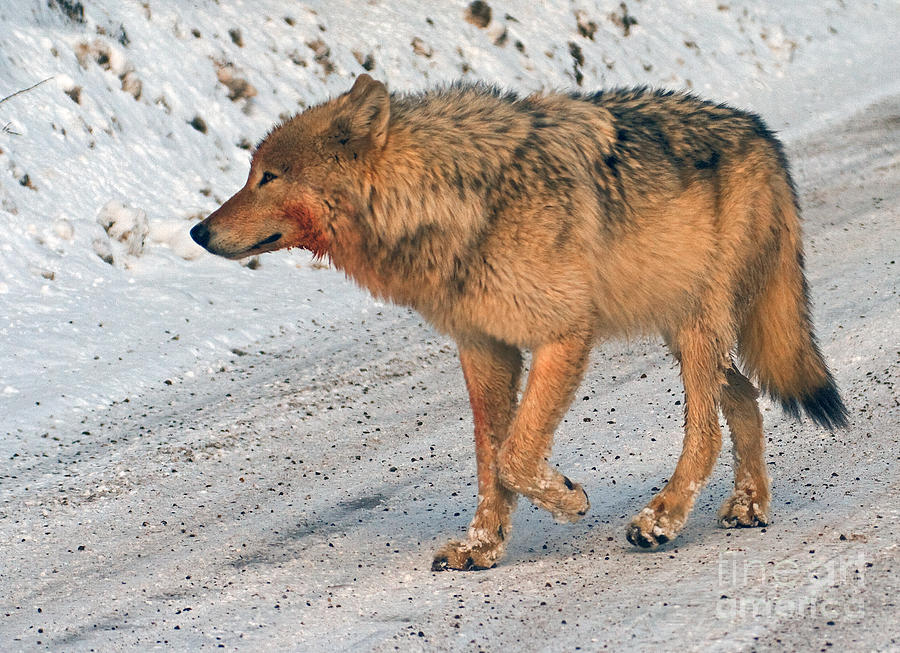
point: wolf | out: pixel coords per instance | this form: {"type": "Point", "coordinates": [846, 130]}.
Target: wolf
{"type": "Point", "coordinates": [548, 222]}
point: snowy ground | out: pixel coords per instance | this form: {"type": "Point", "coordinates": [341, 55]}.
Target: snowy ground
{"type": "Point", "coordinates": [197, 453]}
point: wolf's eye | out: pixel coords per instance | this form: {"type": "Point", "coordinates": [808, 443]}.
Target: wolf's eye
{"type": "Point", "coordinates": [266, 178]}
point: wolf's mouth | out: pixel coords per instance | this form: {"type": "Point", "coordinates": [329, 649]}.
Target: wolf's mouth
{"type": "Point", "coordinates": [252, 249]}
{"type": "Point", "coordinates": [267, 241]}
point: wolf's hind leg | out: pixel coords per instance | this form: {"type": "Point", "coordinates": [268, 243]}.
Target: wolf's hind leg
{"type": "Point", "coordinates": [703, 362]}
{"type": "Point", "coordinates": [492, 371]}
{"type": "Point", "coordinates": [557, 368]}
{"type": "Point", "coordinates": [749, 503]}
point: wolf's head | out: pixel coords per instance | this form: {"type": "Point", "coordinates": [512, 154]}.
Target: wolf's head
{"type": "Point", "coordinates": [308, 173]}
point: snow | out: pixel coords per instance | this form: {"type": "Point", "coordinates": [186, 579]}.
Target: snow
{"type": "Point", "coordinates": [138, 373]}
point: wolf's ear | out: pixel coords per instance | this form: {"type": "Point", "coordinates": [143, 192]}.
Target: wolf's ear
{"type": "Point", "coordinates": [370, 107]}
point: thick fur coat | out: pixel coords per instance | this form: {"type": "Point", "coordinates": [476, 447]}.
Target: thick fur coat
{"type": "Point", "coordinates": [548, 222]}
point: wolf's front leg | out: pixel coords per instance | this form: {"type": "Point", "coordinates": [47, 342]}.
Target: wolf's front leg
{"type": "Point", "coordinates": [557, 369]}
{"type": "Point", "coordinates": [492, 371]}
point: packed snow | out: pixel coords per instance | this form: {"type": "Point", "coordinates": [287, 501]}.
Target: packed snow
{"type": "Point", "coordinates": [145, 383]}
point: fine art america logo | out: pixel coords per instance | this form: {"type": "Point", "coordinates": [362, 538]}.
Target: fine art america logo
{"type": "Point", "coordinates": [790, 588]}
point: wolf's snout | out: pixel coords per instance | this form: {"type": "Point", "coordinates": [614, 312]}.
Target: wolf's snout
{"type": "Point", "coordinates": [200, 234]}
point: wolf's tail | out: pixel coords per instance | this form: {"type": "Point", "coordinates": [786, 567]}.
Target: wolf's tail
{"type": "Point", "coordinates": [777, 344]}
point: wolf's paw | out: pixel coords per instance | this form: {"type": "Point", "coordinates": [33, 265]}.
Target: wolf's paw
{"type": "Point", "coordinates": [550, 490]}
{"type": "Point", "coordinates": [471, 555]}
{"type": "Point", "coordinates": [649, 528]}
{"type": "Point", "coordinates": [744, 509]}
{"type": "Point", "coordinates": [567, 505]}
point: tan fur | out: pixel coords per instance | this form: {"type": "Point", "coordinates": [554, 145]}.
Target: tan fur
{"type": "Point", "coordinates": [549, 222]}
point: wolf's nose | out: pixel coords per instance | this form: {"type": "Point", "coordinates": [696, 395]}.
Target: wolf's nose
{"type": "Point", "coordinates": [200, 234]}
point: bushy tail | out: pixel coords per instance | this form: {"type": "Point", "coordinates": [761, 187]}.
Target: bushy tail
{"type": "Point", "coordinates": [778, 347]}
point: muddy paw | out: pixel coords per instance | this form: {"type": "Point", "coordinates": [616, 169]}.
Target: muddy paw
{"type": "Point", "coordinates": [649, 529]}
{"type": "Point", "coordinates": [568, 505]}
{"type": "Point", "coordinates": [743, 509]}
{"type": "Point", "coordinates": [467, 556]}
